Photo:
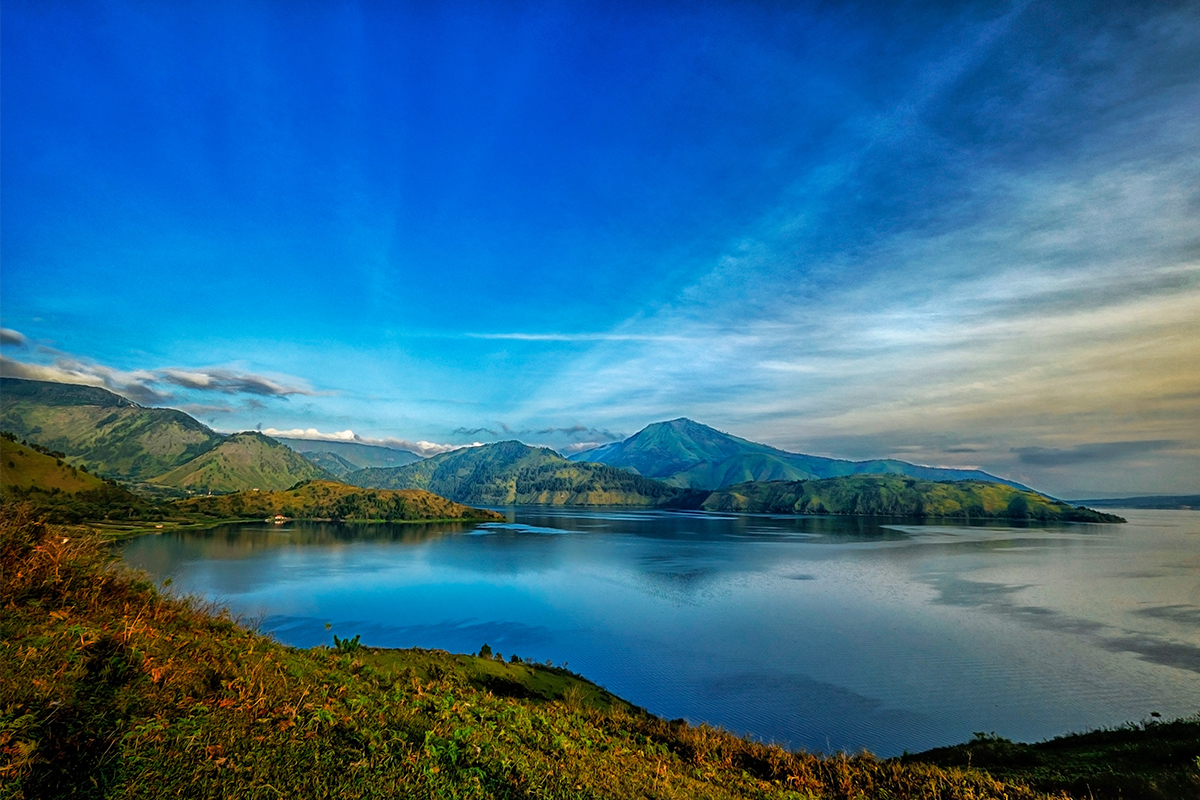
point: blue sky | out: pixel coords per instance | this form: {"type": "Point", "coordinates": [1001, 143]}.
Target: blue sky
{"type": "Point", "coordinates": [962, 234]}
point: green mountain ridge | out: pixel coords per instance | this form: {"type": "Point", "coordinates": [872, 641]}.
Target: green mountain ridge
{"type": "Point", "coordinates": [689, 455]}
{"type": "Point", "coordinates": [247, 460]}
{"type": "Point", "coordinates": [332, 463]}
{"type": "Point", "coordinates": [103, 431]}
{"type": "Point", "coordinates": [891, 495]}
{"type": "Point", "coordinates": [508, 473]}
{"type": "Point", "coordinates": [1154, 501]}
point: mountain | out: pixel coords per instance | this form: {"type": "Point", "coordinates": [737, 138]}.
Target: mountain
{"type": "Point", "coordinates": [329, 500]}
{"type": "Point", "coordinates": [891, 495]}
{"type": "Point", "coordinates": [357, 454]}
{"type": "Point", "coordinates": [687, 454]}
{"type": "Point", "coordinates": [103, 431]}
{"type": "Point", "coordinates": [1167, 501]}
{"type": "Point", "coordinates": [246, 460]}
{"type": "Point", "coordinates": [332, 463]}
{"type": "Point", "coordinates": [508, 473]}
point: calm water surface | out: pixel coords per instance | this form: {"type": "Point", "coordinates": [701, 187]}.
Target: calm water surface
{"type": "Point", "coordinates": [826, 634]}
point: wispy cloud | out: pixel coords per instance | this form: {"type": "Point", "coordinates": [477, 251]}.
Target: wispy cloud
{"type": "Point", "coordinates": [152, 386]}
{"type": "Point", "coordinates": [1011, 301]}
{"type": "Point", "coordinates": [225, 381]}
{"type": "Point", "coordinates": [11, 337]}
{"type": "Point", "coordinates": [571, 431]}
{"type": "Point", "coordinates": [579, 337]}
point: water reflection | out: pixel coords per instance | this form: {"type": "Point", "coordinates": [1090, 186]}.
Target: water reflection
{"type": "Point", "coordinates": [822, 632]}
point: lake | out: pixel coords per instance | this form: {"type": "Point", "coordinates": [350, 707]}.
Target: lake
{"type": "Point", "coordinates": [818, 633]}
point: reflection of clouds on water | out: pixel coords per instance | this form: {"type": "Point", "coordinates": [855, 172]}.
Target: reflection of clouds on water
{"type": "Point", "coordinates": [1182, 614]}
{"type": "Point", "coordinates": [1156, 649]}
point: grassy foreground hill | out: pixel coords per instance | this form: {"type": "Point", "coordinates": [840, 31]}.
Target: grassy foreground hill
{"type": "Point", "coordinates": [509, 473]}
{"type": "Point", "coordinates": [103, 431]}
{"type": "Point", "coordinates": [247, 460]}
{"type": "Point", "coordinates": [888, 495]}
{"type": "Point", "coordinates": [687, 454]}
{"type": "Point", "coordinates": [114, 690]}
{"type": "Point", "coordinates": [330, 500]}
{"type": "Point", "coordinates": [64, 493]}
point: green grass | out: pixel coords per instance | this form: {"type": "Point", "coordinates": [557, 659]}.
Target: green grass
{"type": "Point", "coordinates": [23, 468]}
{"type": "Point", "coordinates": [1157, 760]}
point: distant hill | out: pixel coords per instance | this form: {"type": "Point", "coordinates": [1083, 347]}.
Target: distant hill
{"type": "Point", "coordinates": [246, 460]}
{"type": "Point", "coordinates": [891, 495]}
{"type": "Point", "coordinates": [514, 473]}
{"type": "Point", "coordinates": [357, 454]}
{"type": "Point", "coordinates": [330, 500]}
{"type": "Point", "coordinates": [103, 431]}
{"type": "Point", "coordinates": [1164, 501]}
{"type": "Point", "coordinates": [687, 454]}
{"type": "Point", "coordinates": [332, 463]}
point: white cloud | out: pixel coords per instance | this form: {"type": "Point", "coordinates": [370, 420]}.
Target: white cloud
{"type": "Point", "coordinates": [313, 434]}
{"type": "Point", "coordinates": [421, 448]}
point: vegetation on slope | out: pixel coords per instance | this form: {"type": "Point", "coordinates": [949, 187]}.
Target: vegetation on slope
{"type": "Point", "coordinates": [247, 460]}
{"type": "Point", "coordinates": [1157, 760]}
{"type": "Point", "coordinates": [332, 463]}
{"type": "Point", "coordinates": [330, 500]}
{"type": "Point", "coordinates": [64, 493]}
{"type": "Point", "coordinates": [103, 431]}
{"type": "Point", "coordinates": [889, 495]}
{"type": "Point", "coordinates": [686, 454]}
{"type": "Point", "coordinates": [509, 473]}
{"type": "Point", "coordinates": [113, 690]}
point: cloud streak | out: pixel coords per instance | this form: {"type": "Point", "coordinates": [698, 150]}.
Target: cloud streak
{"type": "Point", "coordinates": [10, 337]}
{"type": "Point", "coordinates": [225, 381]}
{"type": "Point", "coordinates": [421, 448]}
{"type": "Point", "coordinates": [1088, 453]}
{"type": "Point", "coordinates": [155, 386]}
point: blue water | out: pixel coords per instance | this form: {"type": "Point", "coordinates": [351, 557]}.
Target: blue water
{"type": "Point", "coordinates": [825, 634]}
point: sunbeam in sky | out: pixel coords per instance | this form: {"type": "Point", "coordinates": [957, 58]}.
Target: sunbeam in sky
{"type": "Point", "coordinates": [961, 234]}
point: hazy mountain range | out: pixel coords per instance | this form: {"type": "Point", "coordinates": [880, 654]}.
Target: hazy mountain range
{"type": "Point", "coordinates": [687, 454]}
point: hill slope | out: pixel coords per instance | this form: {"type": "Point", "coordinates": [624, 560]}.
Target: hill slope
{"type": "Point", "coordinates": [893, 495]}
{"type": "Point", "coordinates": [101, 430]}
{"type": "Point", "coordinates": [23, 468]}
{"type": "Point", "coordinates": [508, 473]}
{"type": "Point", "coordinates": [245, 460]}
{"type": "Point", "coordinates": [687, 454]}
{"type": "Point", "coordinates": [330, 500]}
{"type": "Point", "coordinates": [62, 493]}
{"type": "Point", "coordinates": [332, 463]}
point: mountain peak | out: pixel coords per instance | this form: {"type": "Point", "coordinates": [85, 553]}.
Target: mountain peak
{"type": "Point", "coordinates": [690, 454]}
